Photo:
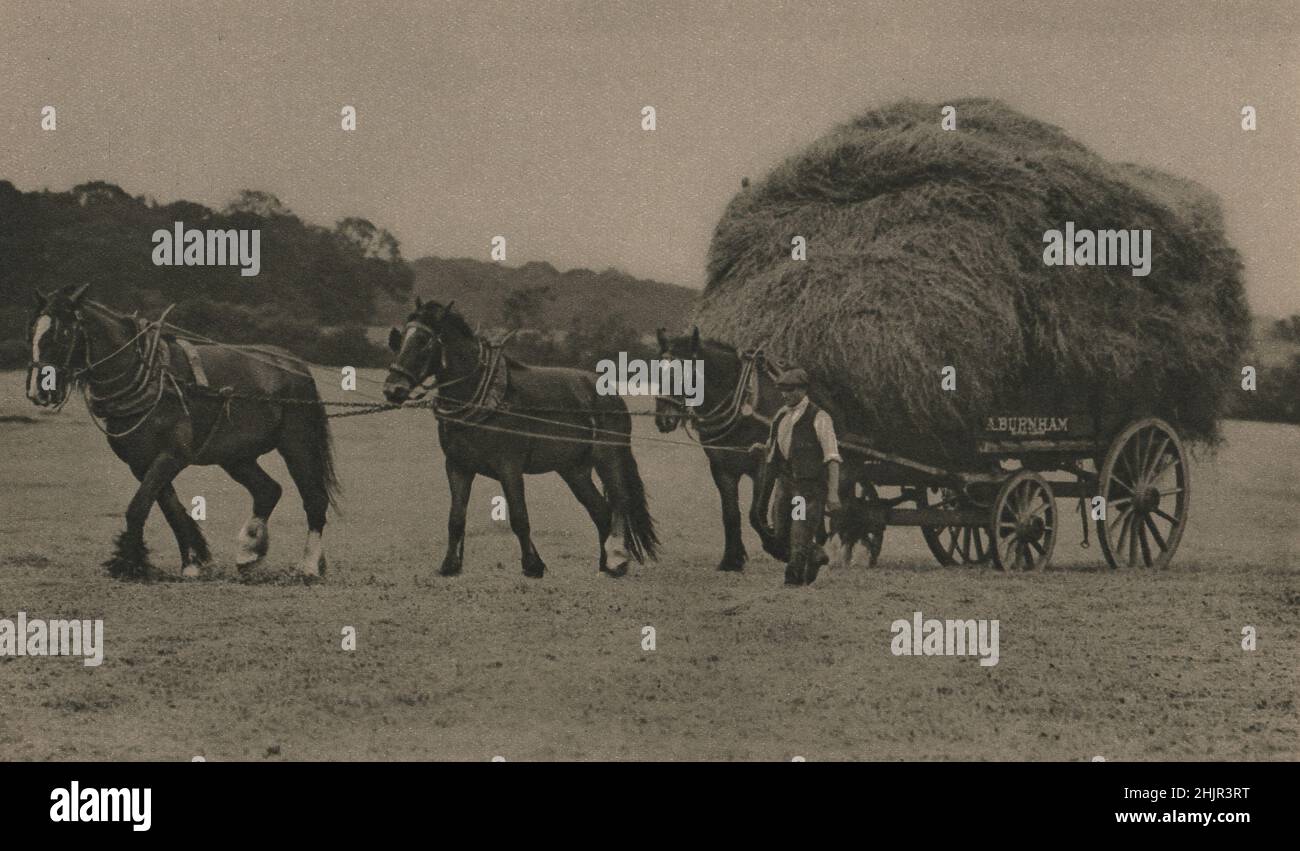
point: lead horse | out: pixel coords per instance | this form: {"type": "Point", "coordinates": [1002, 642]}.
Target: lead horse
{"type": "Point", "coordinates": [503, 419]}
{"type": "Point", "coordinates": [159, 420]}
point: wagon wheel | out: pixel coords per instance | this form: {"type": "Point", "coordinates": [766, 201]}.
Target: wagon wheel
{"type": "Point", "coordinates": [1024, 522]}
{"type": "Point", "coordinates": [1146, 487]}
{"type": "Point", "coordinates": [955, 544]}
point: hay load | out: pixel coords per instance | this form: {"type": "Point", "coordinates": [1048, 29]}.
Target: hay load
{"type": "Point", "coordinates": [925, 249]}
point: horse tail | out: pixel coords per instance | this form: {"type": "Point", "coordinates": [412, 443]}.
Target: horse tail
{"type": "Point", "coordinates": [626, 492]}
{"type": "Point", "coordinates": [321, 446]}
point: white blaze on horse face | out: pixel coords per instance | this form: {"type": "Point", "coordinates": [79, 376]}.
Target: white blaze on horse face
{"type": "Point", "coordinates": [43, 324]}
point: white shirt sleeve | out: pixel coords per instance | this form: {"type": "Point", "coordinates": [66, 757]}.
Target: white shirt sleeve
{"type": "Point", "coordinates": [826, 437]}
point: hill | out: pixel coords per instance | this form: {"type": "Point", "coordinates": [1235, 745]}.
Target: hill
{"type": "Point", "coordinates": [480, 288]}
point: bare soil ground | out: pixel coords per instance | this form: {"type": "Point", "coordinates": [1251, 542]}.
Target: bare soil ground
{"type": "Point", "coordinates": [1127, 665]}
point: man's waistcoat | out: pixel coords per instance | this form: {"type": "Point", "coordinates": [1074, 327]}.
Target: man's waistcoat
{"type": "Point", "coordinates": [806, 461]}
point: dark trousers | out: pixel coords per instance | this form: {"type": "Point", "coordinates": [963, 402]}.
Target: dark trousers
{"type": "Point", "coordinates": [801, 566]}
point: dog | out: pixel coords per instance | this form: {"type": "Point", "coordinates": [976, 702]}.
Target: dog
{"type": "Point", "coordinates": [853, 527]}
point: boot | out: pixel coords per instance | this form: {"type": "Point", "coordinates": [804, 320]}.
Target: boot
{"type": "Point", "coordinates": [815, 564]}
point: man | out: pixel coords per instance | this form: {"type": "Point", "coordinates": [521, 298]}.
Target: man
{"type": "Point", "coordinates": [803, 454]}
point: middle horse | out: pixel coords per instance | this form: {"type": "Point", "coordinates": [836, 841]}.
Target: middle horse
{"type": "Point", "coordinates": [503, 419]}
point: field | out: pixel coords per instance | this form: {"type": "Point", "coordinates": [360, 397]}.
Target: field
{"type": "Point", "coordinates": [1126, 665]}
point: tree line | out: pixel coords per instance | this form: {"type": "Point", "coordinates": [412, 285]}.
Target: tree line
{"type": "Point", "coordinates": [317, 289]}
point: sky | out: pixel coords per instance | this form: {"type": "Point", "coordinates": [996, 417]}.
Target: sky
{"type": "Point", "coordinates": [523, 119]}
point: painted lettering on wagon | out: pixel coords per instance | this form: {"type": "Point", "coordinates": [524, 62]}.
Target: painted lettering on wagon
{"type": "Point", "coordinates": [1027, 426]}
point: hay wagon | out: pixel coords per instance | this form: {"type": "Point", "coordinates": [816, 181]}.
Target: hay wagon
{"type": "Point", "coordinates": [1007, 511]}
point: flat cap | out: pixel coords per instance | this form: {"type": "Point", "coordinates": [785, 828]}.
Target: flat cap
{"type": "Point", "coordinates": [793, 378]}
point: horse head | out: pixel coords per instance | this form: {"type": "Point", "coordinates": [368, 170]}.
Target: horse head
{"type": "Point", "coordinates": [57, 339]}
{"type": "Point", "coordinates": [420, 349]}
{"type": "Point", "coordinates": [671, 409]}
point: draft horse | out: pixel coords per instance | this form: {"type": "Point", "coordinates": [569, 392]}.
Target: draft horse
{"type": "Point", "coordinates": [739, 402]}
{"type": "Point", "coordinates": [504, 419]}
{"type": "Point", "coordinates": [159, 420]}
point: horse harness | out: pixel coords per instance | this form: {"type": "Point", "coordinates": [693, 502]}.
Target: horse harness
{"type": "Point", "coordinates": [742, 403]}
{"type": "Point", "coordinates": [153, 379]}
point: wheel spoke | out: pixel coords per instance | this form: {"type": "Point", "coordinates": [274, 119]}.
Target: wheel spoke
{"type": "Point", "coordinates": [1036, 545]}
{"type": "Point", "coordinates": [1146, 547]}
{"type": "Point", "coordinates": [1157, 472]}
{"type": "Point", "coordinates": [1173, 520]}
{"type": "Point", "coordinates": [1171, 492]}
{"type": "Point", "coordinates": [1133, 466]}
{"type": "Point", "coordinates": [1132, 542]}
{"type": "Point", "coordinates": [1149, 471]}
{"type": "Point", "coordinates": [1155, 533]}
{"type": "Point", "coordinates": [980, 551]}
{"type": "Point", "coordinates": [1125, 485]}
{"type": "Point", "coordinates": [1123, 531]}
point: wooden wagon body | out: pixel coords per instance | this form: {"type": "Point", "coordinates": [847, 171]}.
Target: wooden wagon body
{"type": "Point", "coordinates": [1130, 479]}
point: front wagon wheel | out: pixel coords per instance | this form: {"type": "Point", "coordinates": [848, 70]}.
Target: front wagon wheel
{"type": "Point", "coordinates": [1024, 523]}
{"type": "Point", "coordinates": [1147, 490]}
{"type": "Point", "coordinates": [951, 545]}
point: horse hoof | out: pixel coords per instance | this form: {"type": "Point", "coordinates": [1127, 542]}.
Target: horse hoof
{"type": "Point", "coordinates": [252, 541]}
{"type": "Point", "coordinates": [535, 570]}
{"type": "Point", "coordinates": [731, 566]}
{"type": "Point", "coordinates": [449, 568]}
{"type": "Point", "coordinates": [190, 571]}
{"type": "Point", "coordinates": [616, 572]}
{"type": "Point", "coordinates": [130, 559]}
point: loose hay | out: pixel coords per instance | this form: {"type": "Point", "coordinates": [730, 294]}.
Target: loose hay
{"type": "Point", "coordinates": [925, 249]}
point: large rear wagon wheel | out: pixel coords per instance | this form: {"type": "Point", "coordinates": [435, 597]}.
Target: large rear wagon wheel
{"type": "Point", "coordinates": [968, 545]}
{"type": "Point", "coordinates": [1024, 523]}
{"type": "Point", "coordinates": [1146, 485]}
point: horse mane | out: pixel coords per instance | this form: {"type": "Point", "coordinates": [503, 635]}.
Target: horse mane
{"type": "Point", "coordinates": [433, 312]}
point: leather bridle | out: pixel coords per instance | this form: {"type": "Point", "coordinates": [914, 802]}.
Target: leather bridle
{"type": "Point", "coordinates": [417, 380]}
{"type": "Point", "coordinates": [64, 369]}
